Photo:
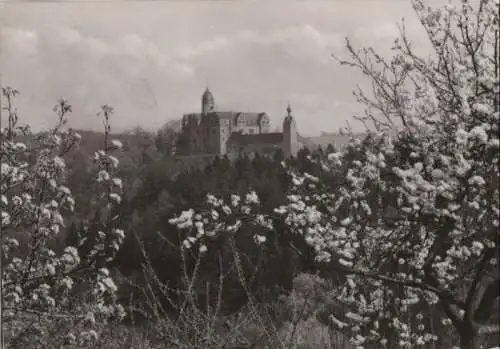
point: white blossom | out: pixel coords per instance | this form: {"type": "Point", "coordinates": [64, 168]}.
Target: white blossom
{"type": "Point", "coordinates": [117, 144]}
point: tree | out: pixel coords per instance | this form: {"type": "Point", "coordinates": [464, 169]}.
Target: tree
{"type": "Point", "coordinates": [330, 148]}
{"type": "Point", "coordinates": [52, 297]}
{"type": "Point", "coordinates": [413, 217]}
{"type": "Point", "coordinates": [165, 141]}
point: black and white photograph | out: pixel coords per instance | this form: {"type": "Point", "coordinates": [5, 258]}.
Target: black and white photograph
{"type": "Point", "coordinates": [250, 174]}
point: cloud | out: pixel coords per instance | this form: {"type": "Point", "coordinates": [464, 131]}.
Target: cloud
{"type": "Point", "coordinates": [151, 60]}
{"type": "Point", "coordinates": [88, 70]}
{"type": "Point", "coordinates": [294, 39]}
{"type": "Point", "coordinates": [267, 68]}
{"type": "Point", "coordinates": [139, 76]}
{"type": "Point", "coordinates": [212, 45]}
{"type": "Point", "coordinates": [18, 40]}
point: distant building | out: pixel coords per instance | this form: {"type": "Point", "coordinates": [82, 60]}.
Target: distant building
{"type": "Point", "coordinates": [214, 132]}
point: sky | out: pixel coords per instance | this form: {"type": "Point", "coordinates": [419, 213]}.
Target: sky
{"type": "Point", "coordinates": [152, 60]}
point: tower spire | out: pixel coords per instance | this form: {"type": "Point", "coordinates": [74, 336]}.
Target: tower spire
{"type": "Point", "coordinates": [290, 141]}
{"type": "Point", "coordinates": [207, 102]}
{"type": "Point", "coordinates": [289, 109]}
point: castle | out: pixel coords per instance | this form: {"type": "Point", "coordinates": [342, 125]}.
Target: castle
{"type": "Point", "coordinates": [214, 132]}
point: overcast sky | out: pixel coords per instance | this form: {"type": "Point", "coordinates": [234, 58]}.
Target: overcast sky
{"type": "Point", "coordinates": [152, 60]}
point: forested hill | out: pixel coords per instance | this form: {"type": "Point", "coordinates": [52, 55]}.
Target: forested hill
{"type": "Point", "coordinates": [140, 146]}
{"type": "Point", "coordinates": [147, 166]}
{"type": "Point", "coordinates": [153, 195]}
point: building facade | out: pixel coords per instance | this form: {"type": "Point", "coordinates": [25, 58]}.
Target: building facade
{"type": "Point", "coordinates": [214, 132]}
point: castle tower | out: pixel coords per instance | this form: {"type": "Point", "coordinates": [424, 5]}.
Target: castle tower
{"type": "Point", "coordinates": [207, 102]}
{"type": "Point", "coordinates": [290, 137]}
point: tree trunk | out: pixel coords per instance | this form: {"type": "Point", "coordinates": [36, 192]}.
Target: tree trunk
{"type": "Point", "coordinates": [469, 338]}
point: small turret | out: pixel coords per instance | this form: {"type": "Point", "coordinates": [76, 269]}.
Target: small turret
{"type": "Point", "coordinates": [207, 102]}
{"type": "Point", "coordinates": [290, 138]}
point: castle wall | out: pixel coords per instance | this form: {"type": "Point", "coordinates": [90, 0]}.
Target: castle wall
{"type": "Point", "coordinates": [264, 149]}
{"type": "Point", "coordinates": [223, 137]}
{"type": "Point", "coordinates": [264, 128]}
{"type": "Point", "coordinates": [195, 137]}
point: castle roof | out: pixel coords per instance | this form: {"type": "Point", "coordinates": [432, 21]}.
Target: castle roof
{"type": "Point", "coordinates": [260, 138]}
{"type": "Point", "coordinates": [251, 118]}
